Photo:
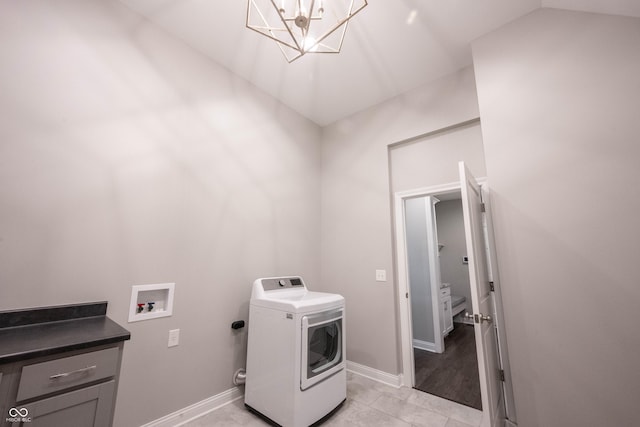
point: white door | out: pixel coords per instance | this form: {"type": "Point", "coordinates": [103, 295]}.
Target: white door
{"type": "Point", "coordinates": [481, 300]}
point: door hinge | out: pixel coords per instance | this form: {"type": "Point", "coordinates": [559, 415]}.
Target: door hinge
{"type": "Point", "coordinates": [501, 374]}
{"type": "Point", "coordinates": [407, 295]}
{"type": "Point", "coordinates": [483, 208]}
{"type": "Point", "coordinates": [493, 288]}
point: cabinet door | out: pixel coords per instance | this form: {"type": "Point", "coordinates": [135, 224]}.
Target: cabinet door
{"type": "Point", "coordinates": [86, 407]}
{"type": "Point", "coordinates": [448, 315]}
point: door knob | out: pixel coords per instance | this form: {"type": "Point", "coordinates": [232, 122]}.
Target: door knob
{"type": "Point", "coordinates": [479, 318]}
{"type": "Point", "coordinates": [485, 318]}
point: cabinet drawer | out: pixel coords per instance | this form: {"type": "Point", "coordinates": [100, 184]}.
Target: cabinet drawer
{"type": "Point", "coordinates": [48, 377]}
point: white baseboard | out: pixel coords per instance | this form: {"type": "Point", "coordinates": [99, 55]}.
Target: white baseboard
{"type": "Point", "coordinates": [374, 374]}
{"type": "Point", "coordinates": [191, 412]}
{"type": "Point", "coordinates": [424, 345]}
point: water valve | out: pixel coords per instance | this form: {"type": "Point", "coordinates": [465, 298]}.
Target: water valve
{"type": "Point", "coordinates": [140, 308]}
{"type": "Point", "coordinates": [150, 305]}
{"type": "Point", "coordinates": [238, 324]}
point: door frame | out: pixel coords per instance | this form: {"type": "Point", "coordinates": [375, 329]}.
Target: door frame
{"type": "Point", "coordinates": [404, 291]}
{"type": "Point", "coordinates": [434, 273]}
{"type": "Point", "coordinates": [407, 374]}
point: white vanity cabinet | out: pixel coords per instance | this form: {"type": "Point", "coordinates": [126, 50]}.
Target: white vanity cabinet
{"type": "Point", "coordinates": [445, 310]}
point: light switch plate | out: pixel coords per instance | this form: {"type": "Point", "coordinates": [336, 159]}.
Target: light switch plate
{"type": "Point", "coordinates": [174, 338]}
{"type": "Point", "coordinates": [381, 275]}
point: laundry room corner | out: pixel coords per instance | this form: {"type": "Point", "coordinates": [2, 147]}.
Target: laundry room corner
{"type": "Point", "coordinates": [357, 237]}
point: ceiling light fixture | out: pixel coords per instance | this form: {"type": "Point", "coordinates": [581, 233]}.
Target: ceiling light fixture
{"type": "Point", "coordinates": [303, 26]}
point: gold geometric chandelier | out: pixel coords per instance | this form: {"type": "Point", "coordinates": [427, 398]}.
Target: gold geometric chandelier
{"type": "Point", "coordinates": [303, 26]}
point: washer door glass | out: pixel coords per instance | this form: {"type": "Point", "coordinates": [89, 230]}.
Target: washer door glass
{"type": "Point", "coordinates": [324, 347]}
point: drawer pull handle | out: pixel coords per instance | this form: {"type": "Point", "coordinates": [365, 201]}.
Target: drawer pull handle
{"type": "Point", "coordinates": [77, 371]}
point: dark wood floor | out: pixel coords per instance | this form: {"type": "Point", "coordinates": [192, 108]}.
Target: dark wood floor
{"type": "Point", "coordinates": [453, 374]}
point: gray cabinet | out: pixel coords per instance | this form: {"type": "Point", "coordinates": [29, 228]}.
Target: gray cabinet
{"type": "Point", "coordinates": [89, 406]}
{"type": "Point", "coordinates": [71, 389]}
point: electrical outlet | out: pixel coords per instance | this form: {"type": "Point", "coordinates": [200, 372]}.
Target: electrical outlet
{"type": "Point", "coordinates": [381, 275]}
{"type": "Point", "coordinates": [174, 338]}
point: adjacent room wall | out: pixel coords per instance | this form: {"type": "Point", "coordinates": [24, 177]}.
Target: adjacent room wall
{"type": "Point", "coordinates": [127, 158]}
{"type": "Point", "coordinates": [559, 96]}
{"type": "Point", "coordinates": [356, 218]}
{"type": "Point", "coordinates": [450, 225]}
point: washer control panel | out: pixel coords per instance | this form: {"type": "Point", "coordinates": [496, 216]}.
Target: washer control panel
{"type": "Point", "coordinates": [282, 283]}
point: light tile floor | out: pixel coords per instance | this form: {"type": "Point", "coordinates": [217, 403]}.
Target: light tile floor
{"type": "Point", "coordinates": [369, 403]}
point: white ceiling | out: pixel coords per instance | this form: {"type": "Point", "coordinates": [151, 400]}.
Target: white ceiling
{"type": "Point", "coordinates": [382, 56]}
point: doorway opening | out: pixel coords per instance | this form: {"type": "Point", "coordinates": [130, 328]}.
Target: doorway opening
{"type": "Point", "coordinates": [443, 339]}
{"type": "Point", "coordinates": [485, 306]}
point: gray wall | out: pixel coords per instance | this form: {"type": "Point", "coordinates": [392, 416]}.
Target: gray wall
{"type": "Point", "coordinates": [433, 159]}
{"type": "Point", "coordinates": [559, 97]}
{"type": "Point", "coordinates": [356, 218]}
{"type": "Point", "coordinates": [450, 225]}
{"type": "Point", "coordinates": [127, 158]}
{"type": "Point", "coordinates": [419, 269]}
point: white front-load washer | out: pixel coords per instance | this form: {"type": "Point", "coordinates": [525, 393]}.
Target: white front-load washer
{"type": "Point", "coordinates": [296, 352]}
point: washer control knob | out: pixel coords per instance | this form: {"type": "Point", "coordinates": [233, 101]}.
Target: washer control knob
{"type": "Point", "coordinates": [281, 282]}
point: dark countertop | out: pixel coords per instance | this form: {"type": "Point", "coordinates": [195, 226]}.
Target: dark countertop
{"type": "Point", "coordinates": [52, 330]}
